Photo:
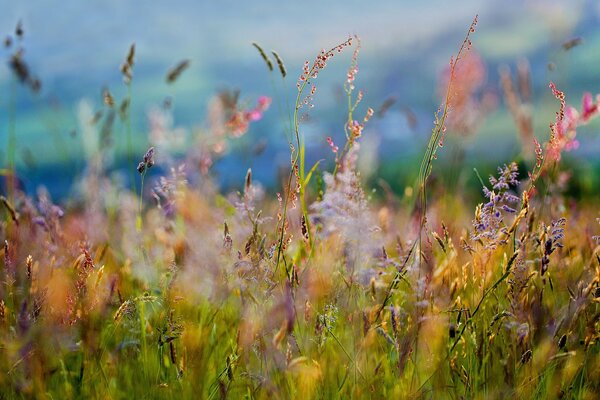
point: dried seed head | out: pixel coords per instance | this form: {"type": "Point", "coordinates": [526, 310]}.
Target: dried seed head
{"type": "Point", "coordinates": [148, 161]}
{"type": "Point", "coordinates": [131, 55]}
{"type": "Point", "coordinates": [248, 183]}
{"type": "Point", "coordinates": [562, 341]}
{"type": "Point", "coordinates": [29, 264]}
{"type": "Point", "coordinates": [280, 63]}
{"type": "Point", "coordinates": [263, 55]}
{"type": "Point", "coordinates": [526, 357]}
{"type": "Point", "coordinates": [107, 97]}
{"type": "Point", "coordinates": [127, 66]}
{"type": "Point", "coordinates": [176, 71]}
{"type": "Point", "coordinates": [149, 157]}
{"type": "Point", "coordinates": [304, 228]}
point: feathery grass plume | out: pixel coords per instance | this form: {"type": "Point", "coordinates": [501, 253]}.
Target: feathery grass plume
{"type": "Point", "coordinates": [127, 66]}
{"type": "Point", "coordinates": [264, 56]}
{"type": "Point", "coordinates": [280, 63]}
{"type": "Point", "coordinates": [489, 227]}
{"type": "Point", "coordinates": [107, 97]}
{"type": "Point", "coordinates": [174, 73]}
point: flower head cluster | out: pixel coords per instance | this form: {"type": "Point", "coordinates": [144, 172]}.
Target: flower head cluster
{"type": "Point", "coordinates": [489, 220]}
{"type": "Point", "coordinates": [353, 70]}
{"type": "Point", "coordinates": [551, 237]}
{"type": "Point", "coordinates": [356, 128]}
{"type": "Point", "coordinates": [239, 121]}
{"type": "Point", "coordinates": [568, 119]}
{"type": "Point", "coordinates": [147, 162]}
{"type": "Point", "coordinates": [310, 72]}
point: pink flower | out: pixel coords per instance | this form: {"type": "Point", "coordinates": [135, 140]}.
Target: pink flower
{"type": "Point", "coordinates": [253, 115]}
{"type": "Point", "coordinates": [588, 108]}
{"type": "Point", "coordinates": [568, 119]}
{"type": "Point", "coordinates": [240, 120]}
{"type": "Point", "coordinates": [263, 103]}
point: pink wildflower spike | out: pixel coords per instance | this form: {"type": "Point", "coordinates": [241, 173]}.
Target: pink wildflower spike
{"type": "Point", "coordinates": [239, 121]}
{"type": "Point", "coordinates": [334, 148]}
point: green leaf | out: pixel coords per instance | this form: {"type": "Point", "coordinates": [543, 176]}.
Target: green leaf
{"type": "Point", "coordinates": [309, 175]}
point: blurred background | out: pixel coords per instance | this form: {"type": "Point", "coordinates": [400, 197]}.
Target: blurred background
{"type": "Point", "coordinates": [75, 48]}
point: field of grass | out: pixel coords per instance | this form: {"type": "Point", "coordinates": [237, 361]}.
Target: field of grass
{"type": "Point", "coordinates": [146, 287]}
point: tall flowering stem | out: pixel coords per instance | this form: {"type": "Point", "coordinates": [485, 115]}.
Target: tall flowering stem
{"type": "Point", "coordinates": [305, 82]}
{"type": "Point", "coordinates": [353, 128]}
{"type": "Point", "coordinates": [438, 132]}
{"type": "Point", "coordinates": [436, 141]}
{"type": "Point", "coordinates": [562, 133]}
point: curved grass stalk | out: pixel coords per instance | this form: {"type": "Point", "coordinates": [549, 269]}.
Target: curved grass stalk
{"type": "Point", "coordinates": [435, 141]}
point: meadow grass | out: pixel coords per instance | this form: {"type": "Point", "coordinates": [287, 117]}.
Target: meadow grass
{"type": "Point", "coordinates": [322, 292]}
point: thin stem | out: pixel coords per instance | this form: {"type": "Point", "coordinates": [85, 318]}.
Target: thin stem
{"type": "Point", "coordinates": [130, 160]}
{"type": "Point", "coordinates": [141, 207]}
{"type": "Point", "coordinates": [11, 147]}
